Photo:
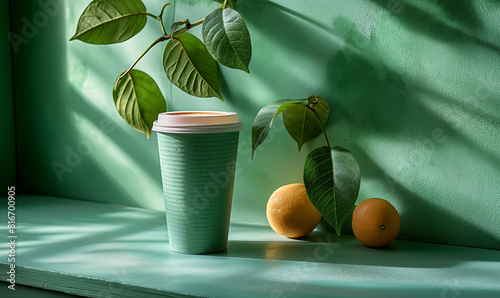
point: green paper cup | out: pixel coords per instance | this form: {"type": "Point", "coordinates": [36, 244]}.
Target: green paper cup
{"type": "Point", "coordinates": [198, 158]}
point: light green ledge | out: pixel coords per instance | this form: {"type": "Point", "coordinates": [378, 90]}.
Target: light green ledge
{"type": "Point", "coordinates": [101, 250]}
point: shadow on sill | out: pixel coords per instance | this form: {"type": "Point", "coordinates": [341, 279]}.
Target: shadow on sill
{"type": "Point", "coordinates": [327, 248]}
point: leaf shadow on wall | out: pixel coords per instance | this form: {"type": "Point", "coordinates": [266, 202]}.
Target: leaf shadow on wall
{"type": "Point", "coordinates": [424, 221]}
{"type": "Point", "coordinates": [376, 100]}
{"type": "Point", "coordinates": [284, 33]}
{"type": "Point", "coordinates": [458, 18]}
{"type": "Point", "coordinates": [359, 73]}
{"type": "Point", "coordinates": [369, 94]}
{"type": "Point", "coordinates": [282, 60]}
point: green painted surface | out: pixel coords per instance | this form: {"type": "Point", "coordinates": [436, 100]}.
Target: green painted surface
{"type": "Point", "coordinates": [102, 250]}
{"type": "Point", "coordinates": [24, 291]}
{"type": "Point", "coordinates": [7, 129]}
{"type": "Point", "coordinates": [412, 85]}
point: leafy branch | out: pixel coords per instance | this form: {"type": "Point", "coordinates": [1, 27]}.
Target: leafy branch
{"type": "Point", "coordinates": [160, 39]}
{"type": "Point", "coordinates": [331, 174]}
{"type": "Point", "coordinates": [164, 38]}
{"type": "Point", "coordinates": [189, 63]}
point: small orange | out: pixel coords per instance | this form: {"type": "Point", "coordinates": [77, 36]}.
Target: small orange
{"type": "Point", "coordinates": [375, 222]}
{"type": "Point", "coordinates": [290, 212]}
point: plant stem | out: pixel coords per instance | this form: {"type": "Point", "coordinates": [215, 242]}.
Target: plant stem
{"type": "Point", "coordinates": [151, 15]}
{"type": "Point", "coordinates": [188, 26]}
{"type": "Point", "coordinates": [160, 18]}
{"type": "Point", "coordinates": [160, 39]}
{"type": "Point", "coordinates": [178, 24]}
{"type": "Point", "coordinates": [162, 27]}
{"type": "Point", "coordinates": [322, 127]}
{"type": "Point", "coordinates": [225, 3]}
{"type": "Point", "coordinates": [142, 55]}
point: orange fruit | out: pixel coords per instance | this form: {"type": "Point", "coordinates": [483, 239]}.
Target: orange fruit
{"type": "Point", "coordinates": [290, 212]}
{"type": "Point", "coordinates": [375, 222]}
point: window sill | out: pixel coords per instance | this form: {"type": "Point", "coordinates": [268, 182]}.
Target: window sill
{"type": "Point", "coordinates": [100, 250]}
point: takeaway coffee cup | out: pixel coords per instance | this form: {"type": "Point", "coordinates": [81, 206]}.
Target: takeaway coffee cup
{"type": "Point", "coordinates": [198, 157]}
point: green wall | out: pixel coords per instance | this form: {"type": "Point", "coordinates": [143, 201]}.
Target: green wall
{"type": "Point", "coordinates": [412, 85]}
{"type": "Point", "coordinates": [7, 149]}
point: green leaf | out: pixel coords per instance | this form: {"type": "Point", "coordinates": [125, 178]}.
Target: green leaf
{"type": "Point", "coordinates": [301, 122]}
{"type": "Point", "coordinates": [190, 67]}
{"type": "Point", "coordinates": [111, 21]}
{"type": "Point", "coordinates": [264, 119]}
{"type": "Point", "coordinates": [332, 179]}
{"type": "Point", "coordinates": [138, 100]}
{"type": "Point", "coordinates": [227, 38]}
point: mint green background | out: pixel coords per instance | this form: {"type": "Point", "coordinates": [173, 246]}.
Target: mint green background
{"type": "Point", "coordinates": [7, 150]}
{"type": "Point", "coordinates": [412, 86]}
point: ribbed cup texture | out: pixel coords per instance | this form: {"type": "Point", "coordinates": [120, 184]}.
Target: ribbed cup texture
{"type": "Point", "coordinates": [198, 176]}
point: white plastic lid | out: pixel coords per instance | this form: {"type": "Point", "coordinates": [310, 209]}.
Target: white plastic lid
{"type": "Point", "coordinates": [197, 122]}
